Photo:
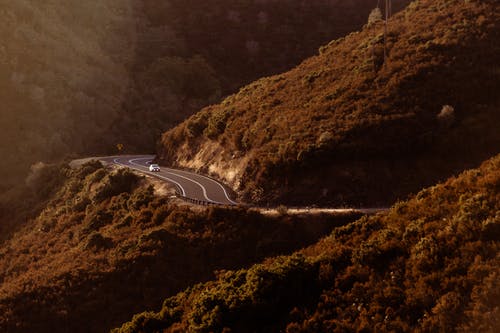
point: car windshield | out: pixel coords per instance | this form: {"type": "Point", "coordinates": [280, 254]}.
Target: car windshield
{"type": "Point", "coordinates": [154, 165]}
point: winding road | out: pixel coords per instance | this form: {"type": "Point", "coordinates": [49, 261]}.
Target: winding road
{"type": "Point", "coordinates": [189, 185]}
{"type": "Point", "coordinates": [203, 190]}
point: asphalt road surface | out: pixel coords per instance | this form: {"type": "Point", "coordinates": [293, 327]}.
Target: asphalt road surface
{"type": "Point", "coordinates": [189, 185]}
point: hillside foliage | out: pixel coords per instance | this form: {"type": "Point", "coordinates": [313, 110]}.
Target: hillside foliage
{"type": "Point", "coordinates": [79, 78]}
{"type": "Point", "coordinates": [91, 246]}
{"type": "Point", "coordinates": [347, 127]}
{"type": "Point", "coordinates": [191, 53]}
{"type": "Point", "coordinates": [430, 264]}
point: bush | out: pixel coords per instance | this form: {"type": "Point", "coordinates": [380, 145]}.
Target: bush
{"type": "Point", "coordinates": [217, 123]}
{"type": "Point", "coordinates": [428, 264]}
{"type": "Point", "coordinates": [89, 168]}
{"type": "Point", "coordinates": [253, 297]}
{"type": "Point", "coordinates": [97, 242]}
{"type": "Point", "coordinates": [96, 220]}
{"type": "Point", "coordinates": [123, 180]}
{"type": "Point", "coordinates": [196, 125]}
{"type": "Point", "coordinates": [141, 198]}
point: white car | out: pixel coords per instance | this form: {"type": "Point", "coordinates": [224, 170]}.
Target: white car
{"type": "Point", "coordinates": [154, 167]}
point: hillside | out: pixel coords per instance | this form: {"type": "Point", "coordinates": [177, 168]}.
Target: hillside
{"type": "Point", "coordinates": [78, 78]}
{"type": "Point", "coordinates": [90, 247]}
{"type": "Point", "coordinates": [245, 40]}
{"type": "Point", "coordinates": [190, 53]}
{"type": "Point", "coordinates": [345, 127]}
{"type": "Point", "coordinates": [430, 264]}
{"type": "Point", "coordinates": [62, 75]}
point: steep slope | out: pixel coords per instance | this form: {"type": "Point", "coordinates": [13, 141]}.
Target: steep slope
{"type": "Point", "coordinates": [193, 52]}
{"type": "Point", "coordinates": [62, 77]}
{"type": "Point", "coordinates": [345, 127]}
{"type": "Point", "coordinates": [244, 40]}
{"type": "Point", "coordinates": [430, 264]}
{"type": "Point", "coordinates": [103, 246]}
{"type": "Point", "coordinates": [80, 77]}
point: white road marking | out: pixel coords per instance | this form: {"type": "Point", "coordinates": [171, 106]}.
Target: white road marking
{"type": "Point", "coordinates": [116, 160]}
{"type": "Point", "coordinates": [132, 161]}
{"type": "Point", "coordinates": [208, 178]}
{"type": "Point", "coordinates": [153, 174]}
{"type": "Point", "coordinates": [222, 187]}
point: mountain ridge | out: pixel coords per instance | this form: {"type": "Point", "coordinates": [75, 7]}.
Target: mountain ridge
{"type": "Point", "coordinates": [430, 263]}
{"type": "Point", "coordinates": [91, 246]}
{"type": "Point", "coordinates": [343, 128]}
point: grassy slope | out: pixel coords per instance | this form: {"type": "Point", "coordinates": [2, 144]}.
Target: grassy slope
{"type": "Point", "coordinates": [429, 264]}
{"type": "Point", "coordinates": [344, 128]}
{"type": "Point", "coordinates": [100, 247]}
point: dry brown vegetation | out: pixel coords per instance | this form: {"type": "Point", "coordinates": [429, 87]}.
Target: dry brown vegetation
{"type": "Point", "coordinates": [82, 77]}
{"type": "Point", "coordinates": [245, 40]}
{"type": "Point", "coordinates": [430, 264]}
{"type": "Point", "coordinates": [82, 250]}
{"type": "Point", "coordinates": [345, 127]}
{"type": "Point", "coordinates": [100, 246]}
{"type": "Point", "coordinates": [190, 53]}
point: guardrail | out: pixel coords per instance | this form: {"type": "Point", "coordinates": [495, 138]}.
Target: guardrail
{"type": "Point", "coordinates": [196, 201]}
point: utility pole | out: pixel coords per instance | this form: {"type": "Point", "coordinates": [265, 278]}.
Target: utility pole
{"type": "Point", "coordinates": [387, 4]}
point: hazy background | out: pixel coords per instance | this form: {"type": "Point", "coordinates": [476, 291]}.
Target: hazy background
{"type": "Point", "coordinates": [63, 74]}
{"type": "Point", "coordinates": [80, 77]}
